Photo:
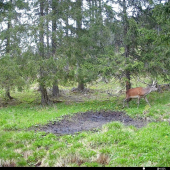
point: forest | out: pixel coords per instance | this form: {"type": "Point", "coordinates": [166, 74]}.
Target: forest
{"type": "Point", "coordinates": [65, 68]}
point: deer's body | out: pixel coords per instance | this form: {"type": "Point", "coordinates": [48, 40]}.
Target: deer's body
{"type": "Point", "coordinates": [138, 92]}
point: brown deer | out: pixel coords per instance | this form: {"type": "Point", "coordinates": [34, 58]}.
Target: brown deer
{"type": "Point", "coordinates": [139, 92]}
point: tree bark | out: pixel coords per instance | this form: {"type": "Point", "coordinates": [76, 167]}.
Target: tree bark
{"type": "Point", "coordinates": [80, 86]}
{"type": "Point", "coordinates": [79, 32]}
{"type": "Point", "coordinates": [8, 51]}
{"type": "Point", "coordinates": [44, 97]}
{"type": "Point", "coordinates": [126, 46]}
{"type": "Point", "coordinates": [55, 90]}
{"type": "Point", "coordinates": [8, 94]}
{"type": "Point", "coordinates": [47, 30]}
{"type": "Point", "coordinates": [54, 27]}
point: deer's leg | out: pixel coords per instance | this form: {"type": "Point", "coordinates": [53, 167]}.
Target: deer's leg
{"type": "Point", "coordinates": [138, 101]}
{"type": "Point", "coordinates": [147, 100]}
{"type": "Point", "coordinates": [124, 102]}
{"type": "Point", "coordinates": [128, 102]}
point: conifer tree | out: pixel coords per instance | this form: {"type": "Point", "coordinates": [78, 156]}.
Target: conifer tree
{"type": "Point", "coordinates": [11, 30]}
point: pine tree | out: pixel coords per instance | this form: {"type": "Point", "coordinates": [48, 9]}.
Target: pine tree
{"type": "Point", "coordinates": [11, 45]}
{"type": "Point", "coordinates": [55, 89]}
{"type": "Point", "coordinates": [44, 97]}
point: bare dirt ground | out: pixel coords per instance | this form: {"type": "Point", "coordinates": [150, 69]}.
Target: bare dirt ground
{"type": "Point", "coordinates": [88, 121]}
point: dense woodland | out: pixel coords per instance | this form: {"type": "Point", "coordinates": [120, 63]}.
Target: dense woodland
{"type": "Point", "coordinates": [56, 42]}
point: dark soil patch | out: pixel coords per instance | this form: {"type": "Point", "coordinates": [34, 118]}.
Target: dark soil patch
{"type": "Point", "coordinates": [87, 121]}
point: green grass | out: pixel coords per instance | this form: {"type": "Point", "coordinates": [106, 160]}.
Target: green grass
{"type": "Point", "coordinates": [113, 145]}
{"type": "Point", "coordinates": [24, 115]}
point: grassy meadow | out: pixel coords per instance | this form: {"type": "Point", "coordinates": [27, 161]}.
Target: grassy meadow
{"type": "Point", "coordinates": [115, 145]}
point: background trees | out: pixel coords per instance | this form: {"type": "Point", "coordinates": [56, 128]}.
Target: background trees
{"type": "Point", "coordinates": [54, 42]}
{"type": "Point", "coordinates": [12, 30]}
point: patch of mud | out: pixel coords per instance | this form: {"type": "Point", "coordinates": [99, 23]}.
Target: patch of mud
{"type": "Point", "coordinates": [87, 121]}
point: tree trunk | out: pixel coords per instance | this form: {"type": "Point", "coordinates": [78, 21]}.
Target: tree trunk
{"type": "Point", "coordinates": [127, 74]}
{"type": "Point", "coordinates": [80, 86]}
{"type": "Point", "coordinates": [79, 33]}
{"type": "Point", "coordinates": [54, 26]}
{"type": "Point", "coordinates": [47, 30]}
{"type": "Point", "coordinates": [44, 97]}
{"type": "Point", "coordinates": [8, 51]}
{"type": "Point", "coordinates": [55, 90]}
{"type": "Point", "coordinates": [93, 5]}
{"type": "Point", "coordinates": [128, 84]}
{"type": "Point", "coordinates": [126, 46]}
{"type": "Point", "coordinates": [8, 94]}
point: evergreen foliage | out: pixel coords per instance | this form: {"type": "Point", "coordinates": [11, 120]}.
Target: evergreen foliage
{"type": "Point", "coordinates": [57, 42]}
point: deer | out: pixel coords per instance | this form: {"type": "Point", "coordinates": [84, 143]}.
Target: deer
{"type": "Point", "coordinates": [139, 92]}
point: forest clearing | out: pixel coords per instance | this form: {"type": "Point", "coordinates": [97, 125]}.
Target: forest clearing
{"type": "Point", "coordinates": [93, 131]}
{"type": "Point", "coordinates": [84, 83]}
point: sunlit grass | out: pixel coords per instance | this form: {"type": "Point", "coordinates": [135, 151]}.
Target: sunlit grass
{"type": "Point", "coordinates": [24, 116]}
